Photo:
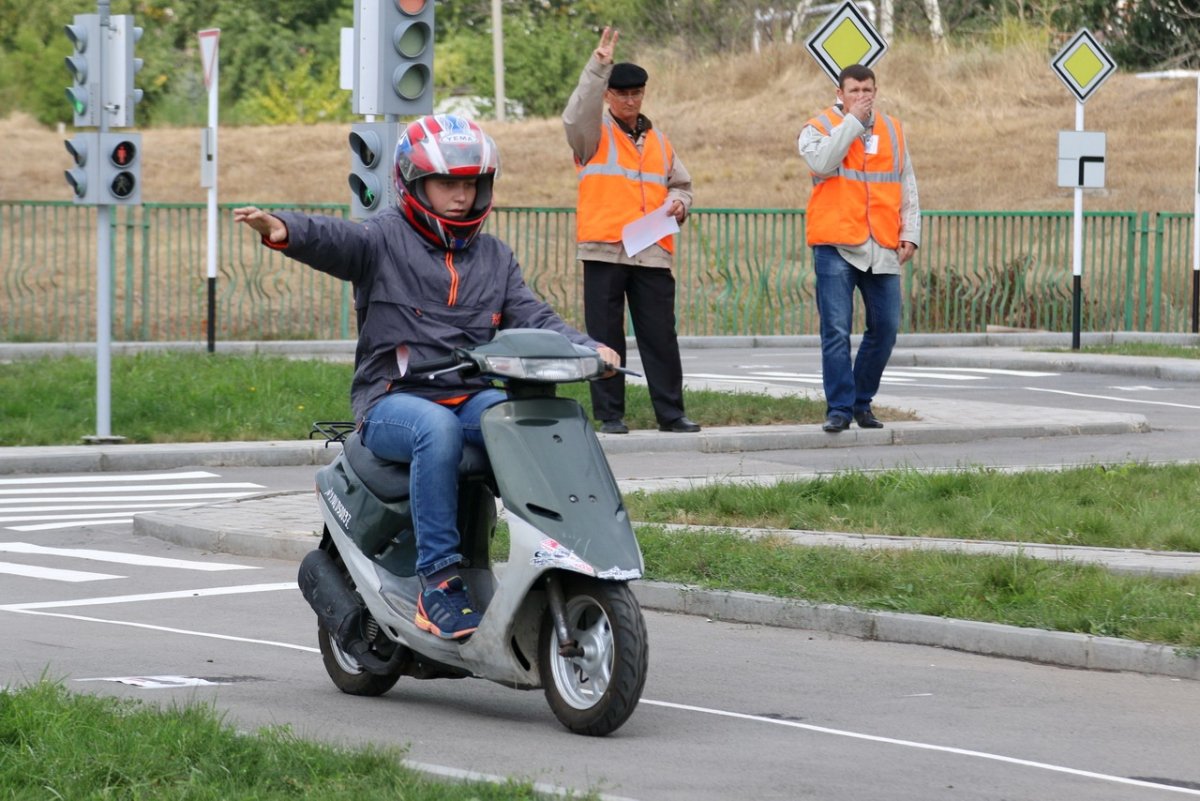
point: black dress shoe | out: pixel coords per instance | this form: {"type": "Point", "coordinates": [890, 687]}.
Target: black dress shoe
{"type": "Point", "coordinates": [835, 423]}
{"type": "Point", "coordinates": [614, 427]}
{"type": "Point", "coordinates": [680, 426]}
{"type": "Point", "coordinates": [867, 420]}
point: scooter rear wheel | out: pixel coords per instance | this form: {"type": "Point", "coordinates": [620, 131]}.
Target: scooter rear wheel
{"type": "Point", "coordinates": [597, 692]}
{"type": "Point", "coordinates": [347, 674]}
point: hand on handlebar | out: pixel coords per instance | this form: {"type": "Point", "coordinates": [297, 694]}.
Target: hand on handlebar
{"type": "Point", "coordinates": [610, 358]}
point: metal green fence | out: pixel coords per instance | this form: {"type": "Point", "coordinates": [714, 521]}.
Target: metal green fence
{"type": "Point", "coordinates": [739, 272]}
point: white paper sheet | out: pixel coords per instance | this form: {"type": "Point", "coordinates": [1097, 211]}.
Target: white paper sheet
{"type": "Point", "coordinates": [642, 233]}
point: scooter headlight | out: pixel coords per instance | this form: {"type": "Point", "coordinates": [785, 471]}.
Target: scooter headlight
{"type": "Point", "coordinates": [554, 371]}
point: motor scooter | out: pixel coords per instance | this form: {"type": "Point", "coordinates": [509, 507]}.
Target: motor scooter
{"type": "Point", "coordinates": [557, 614]}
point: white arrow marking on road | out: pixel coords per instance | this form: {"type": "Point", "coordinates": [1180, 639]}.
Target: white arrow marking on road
{"type": "Point", "coordinates": [30, 571]}
{"type": "Point", "coordinates": [119, 558]}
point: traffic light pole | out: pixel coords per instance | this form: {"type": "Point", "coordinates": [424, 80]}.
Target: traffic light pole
{"type": "Point", "coordinates": [103, 293]}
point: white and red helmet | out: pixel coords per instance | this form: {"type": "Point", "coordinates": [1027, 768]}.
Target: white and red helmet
{"type": "Point", "coordinates": [445, 144]}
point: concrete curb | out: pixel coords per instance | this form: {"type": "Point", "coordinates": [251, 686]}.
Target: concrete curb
{"type": "Point", "coordinates": [989, 639]}
{"type": "Point", "coordinates": [733, 439]}
{"type": "Point", "coordinates": [238, 527]}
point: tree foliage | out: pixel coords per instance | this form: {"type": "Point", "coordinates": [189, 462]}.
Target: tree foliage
{"type": "Point", "coordinates": [280, 58]}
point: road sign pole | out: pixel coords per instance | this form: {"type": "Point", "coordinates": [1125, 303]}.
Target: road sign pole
{"type": "Point", "coordinates": [1077, 250]}
{"type": "Point", "coordinates": [1196, 224]}
{"type": "Point", "coordinates": [210, 61]}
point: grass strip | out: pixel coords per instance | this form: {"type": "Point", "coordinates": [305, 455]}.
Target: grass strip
{"type": "Point", "coordinates": [1133, 505]}
{"type": "Point", "coordinates": [203, 397]}
{"type": "Point", "coordinates": [59, 745]}
{"type": "Point", "coordinates": [1013, 590]}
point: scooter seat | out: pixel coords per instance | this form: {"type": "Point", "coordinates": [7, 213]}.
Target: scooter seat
{"type": "Point", "coordinates": [388, 480]}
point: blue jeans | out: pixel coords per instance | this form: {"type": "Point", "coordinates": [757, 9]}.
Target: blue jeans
{"type": "Point", "coordinates": [405, 428]}
{"type": "Point", "coordinates": [850, 389]}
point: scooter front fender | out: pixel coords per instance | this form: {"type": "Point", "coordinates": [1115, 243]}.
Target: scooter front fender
{"type": "Point", "coordinates": [554, 476]}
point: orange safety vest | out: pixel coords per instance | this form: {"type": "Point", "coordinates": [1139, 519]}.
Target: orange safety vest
{"type": "Point", "coordinates": [862, 199]}
{"type": "Point", "coordinates": [619, 184]}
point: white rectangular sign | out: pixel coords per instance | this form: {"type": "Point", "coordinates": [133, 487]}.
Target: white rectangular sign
{"type": "Point", "coordinates": [1081, 159]}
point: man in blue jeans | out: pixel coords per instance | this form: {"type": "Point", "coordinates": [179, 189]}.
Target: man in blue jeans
{"type": "Point", "coordinates": [426, 281]}
{"type": "Point", "coordinates": [863, 222]}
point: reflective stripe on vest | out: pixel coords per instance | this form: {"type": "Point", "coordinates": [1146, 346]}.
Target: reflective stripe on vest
{"type": "Point", "coordinates": [620, 184]}
{"type": "Point", "coordinates": [862, 199]}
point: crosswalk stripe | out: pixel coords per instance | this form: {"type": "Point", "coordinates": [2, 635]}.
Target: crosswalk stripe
{"type": "Point", "coordinates": [117, 490]}
{"type": "Point", "coordinates": [53, 574]}
{"type": "Point", "coordinates": [105, 478]}
{"type": "Point", "coordinates": [186, 496]}
{"type": "Point", "coordinates": [118, 557]}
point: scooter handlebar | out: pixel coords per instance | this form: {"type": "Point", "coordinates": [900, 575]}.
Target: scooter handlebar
{"type": "Point", "coordinates": [432, 368]}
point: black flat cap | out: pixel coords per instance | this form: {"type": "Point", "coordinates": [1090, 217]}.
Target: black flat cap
{"type": "Point", "coordinates": [627, 76]}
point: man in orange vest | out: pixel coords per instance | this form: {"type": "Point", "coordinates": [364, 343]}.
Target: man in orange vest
{"type": "Point", "coordinates": [627, 169]}
{"type": "Point", "coordinates": [863, 222]}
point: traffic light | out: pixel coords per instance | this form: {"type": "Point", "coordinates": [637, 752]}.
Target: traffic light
{"type": "Point", "coordinates": [84, 66]}
{"type": "Point", "coordinates": [120, 67]}
{"type": "Point", "coordinates": [120, 169]}
{"type": "Point", "coordinates": [84, 177]}
{"type": "Point", "coordinates": [393, 57]}
{"type": "Point", "coordinates": [372, 152]}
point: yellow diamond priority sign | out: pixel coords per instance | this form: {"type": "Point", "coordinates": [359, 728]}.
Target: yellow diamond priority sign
{"type": "Point", "coordinates": [1083, 65]}
{"type": "Point", "coordinates": [845, 38]}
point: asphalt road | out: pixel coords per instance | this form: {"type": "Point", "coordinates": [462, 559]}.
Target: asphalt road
{"type": "Point", "coordinates": [729, 711]}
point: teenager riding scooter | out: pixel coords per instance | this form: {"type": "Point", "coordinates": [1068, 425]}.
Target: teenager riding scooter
{"type": "Point", "coordinates": [426, 282]}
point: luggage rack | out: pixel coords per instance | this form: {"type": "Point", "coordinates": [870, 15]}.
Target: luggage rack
{"type": "Point", "coordinates": [332, 430]}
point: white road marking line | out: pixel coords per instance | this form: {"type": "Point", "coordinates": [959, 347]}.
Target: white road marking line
{"type": "Point", "coordinates": [1109, 398]}
{"type": "Point", "coordinates": [73, 511]}
{"type": "Point", "coordinates": [48, 490]}
{"type": "Point", "coordinates": [988, 371]}
{"type": "Point", "coordinates": [170, 630]}
{"type": "Point", "coordinates": [72, 524]}
{"type": "Point", "coordinates": [109, 477]}
{"type": "Point", "coordinates": [937, 376]}
{"type": "Point", "coordinates": [187, 496]}
{"type": "Point", "coordinates": [118, 557]}
{"type": "Point", "coordinates": [81, 517]}
{"type": "Point", "coordinates": [945, 749]}
{"type": "Point", "coordinates": [154, 596]}
{"type": "Point", "coordinates": [53, 574]}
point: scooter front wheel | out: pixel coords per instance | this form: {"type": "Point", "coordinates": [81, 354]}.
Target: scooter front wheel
{"type": "Point", "coordinates": [596, 691]}
{"type": "Point", "coordinates": [347, 673]}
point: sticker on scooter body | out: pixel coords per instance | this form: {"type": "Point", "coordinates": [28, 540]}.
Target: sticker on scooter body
{"type": "Point", "coordinates": [552, 553]}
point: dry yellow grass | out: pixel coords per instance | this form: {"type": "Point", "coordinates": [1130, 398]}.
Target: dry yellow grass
{"type": "Point", "coordinates": [982, 126]}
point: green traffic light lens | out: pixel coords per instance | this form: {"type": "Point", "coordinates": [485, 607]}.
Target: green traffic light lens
{"type": "Point", "coordinates": [412, 40]}
{"type": "Point", "coordinates": [123, 184]}
{"type": "Point", "coordinates": [411, 80]}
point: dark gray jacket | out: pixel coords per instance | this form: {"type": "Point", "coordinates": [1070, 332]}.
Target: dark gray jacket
{"type": "Point", "coordinates": [407, 292]}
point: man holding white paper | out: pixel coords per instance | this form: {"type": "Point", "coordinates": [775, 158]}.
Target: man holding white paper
{"type": "Point", "coordinates": [633, 193]}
